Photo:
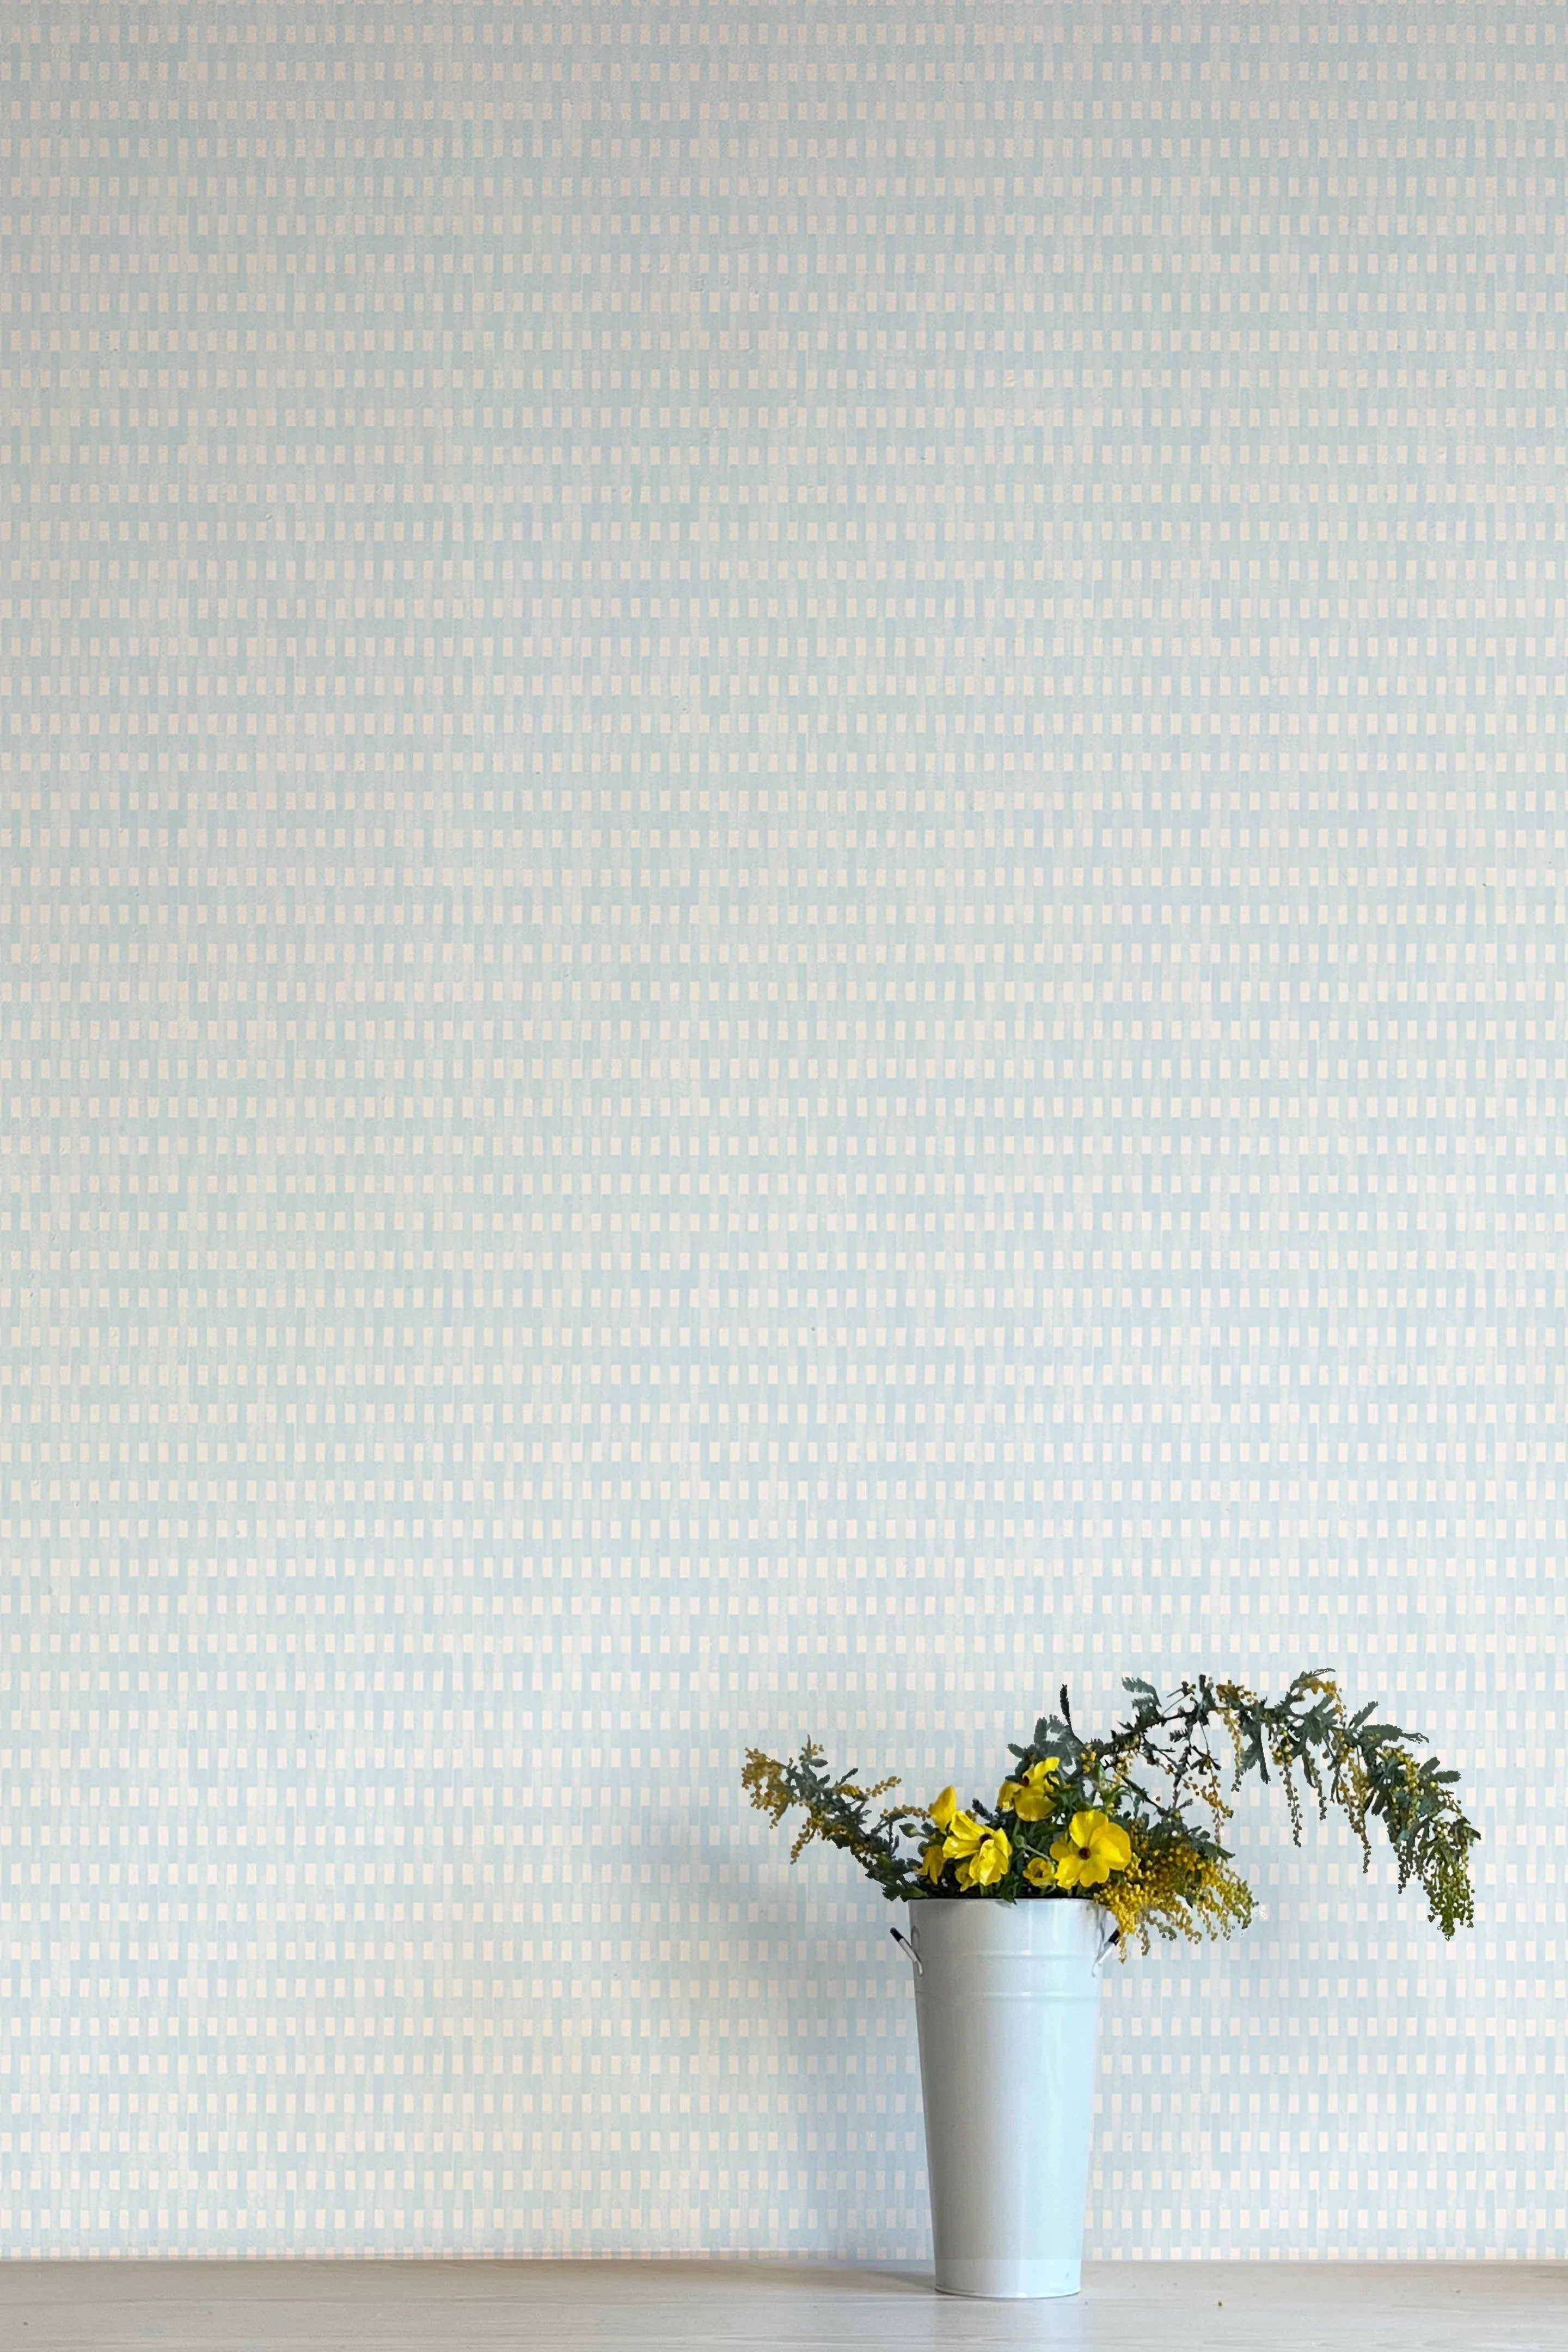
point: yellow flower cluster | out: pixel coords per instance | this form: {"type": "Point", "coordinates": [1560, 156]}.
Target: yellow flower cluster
{"type": "Point", "coordinates": [984, 1856]}
{"type": "Point", "coordinates": [1173, 1886]}
{"type": "Point", "coordinates": [1179, 1890]}
{"type": "Point", "coordinates": [1088, 1855]}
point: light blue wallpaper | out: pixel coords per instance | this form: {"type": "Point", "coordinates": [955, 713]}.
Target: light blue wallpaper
{"type": "Point", "coordinates": [783, 856]}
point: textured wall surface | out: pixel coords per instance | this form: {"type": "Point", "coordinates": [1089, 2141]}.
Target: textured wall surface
{"type": "Point", "coordinates": [782, 863]}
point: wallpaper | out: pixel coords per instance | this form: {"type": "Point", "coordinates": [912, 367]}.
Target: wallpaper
{"type": "Point", "coordinates": [781, 860]}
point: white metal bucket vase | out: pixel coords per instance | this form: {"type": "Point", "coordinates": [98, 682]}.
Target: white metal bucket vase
{"type": "Point", "coordinates": [1007, 2005]}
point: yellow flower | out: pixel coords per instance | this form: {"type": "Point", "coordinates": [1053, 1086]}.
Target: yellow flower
{"type": "Point", "coordinates": [1092, 1848]}
{"type": "Point", "coordinates": [990, 1861]}
{"type": "Point", "coordinates": [942, 1812]}
{"type": "Point", "coordinates": [983, 1856]}
{"type": "Point", "coordinates": [964, 1834]}
{"type": "Point", "coordinates": [932, 1862]}
{"type": "Point", "coordinates": [1040, 1873]}
{"type": "Point", "coordinates": [1035, 1799]}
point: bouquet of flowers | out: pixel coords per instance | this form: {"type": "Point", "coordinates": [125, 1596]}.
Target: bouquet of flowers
{"type": "Point", "coordinates": [1132, 1818]}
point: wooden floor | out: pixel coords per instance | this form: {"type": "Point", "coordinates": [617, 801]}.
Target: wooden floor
{"type": "Point", "coordinates": [482, 2307]}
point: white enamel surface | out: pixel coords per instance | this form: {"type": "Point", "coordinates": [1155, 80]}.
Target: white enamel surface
{"type": "Point", "coordinates": [1007, 2000]}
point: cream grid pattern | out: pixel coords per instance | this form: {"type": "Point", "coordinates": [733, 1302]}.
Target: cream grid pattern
{"type": "Point", "coordinates": [782, 863]}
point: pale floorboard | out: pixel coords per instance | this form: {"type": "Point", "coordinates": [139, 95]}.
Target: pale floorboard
{"type": "Point", "coordinates": [480, 2306]}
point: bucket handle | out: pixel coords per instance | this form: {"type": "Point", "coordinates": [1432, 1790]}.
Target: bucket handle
{"type": "Point", "coordinates": [1108, 1945]}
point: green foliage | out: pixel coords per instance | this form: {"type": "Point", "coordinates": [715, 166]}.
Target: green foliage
{"type": "Point", "coordinates": [1365, 1769]}
{"type": "Point", "coordinates": [1161, 1777]}
{"type": "Point", "coordinates": [837, 1811]}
